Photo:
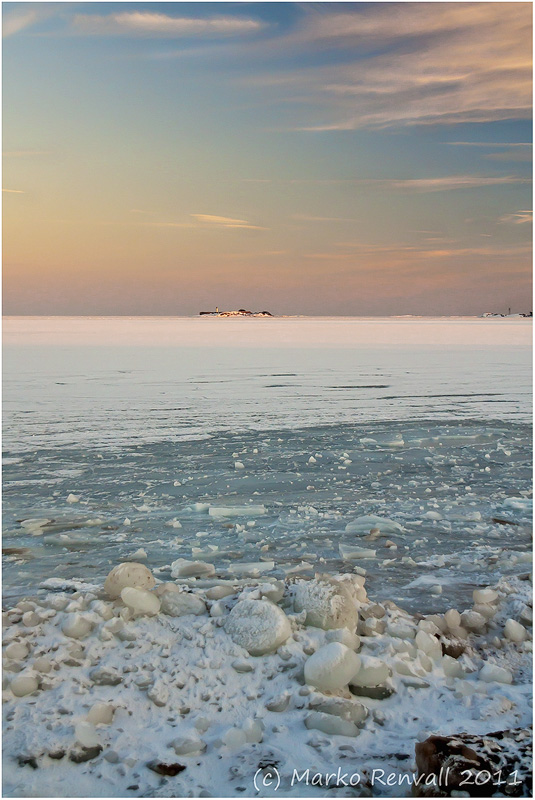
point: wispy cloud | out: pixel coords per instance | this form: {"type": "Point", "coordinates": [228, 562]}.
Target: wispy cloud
{"type": "Point", "coordinates": [213, 221]}
{"type": "Point", "coordinates": [442, 184]}
{"type": "Point", "coordinates": [153, 24]}
{"type": "Point", "coordinates": [518, 218]}
{"type": "Point", "coordinates": [490, 144]}
{"type": "Point", "coordinates": [447, 183]}
{"type": "Point", "coordinates": [14, 191]}
{"type": "Point", "coordinates": [205, 221]}
{"type": "Point", "coordinates": [414, 64]}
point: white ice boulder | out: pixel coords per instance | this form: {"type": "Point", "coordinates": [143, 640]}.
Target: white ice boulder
{"type": "Point", "coordinates": [473, 621]}
{"type": "Point", "coordinates": [182, 568]}
{"type": "Point", "coordinates": [514, 631]}
{"type": "Point", "coordinates": [331, 667]}
{"type": "Point", "coordinates": [101, 714]}
{"type": "Point", "coordinates": [492, 673]}
{"type": "Point", "coordinates": [17, 651]}
{"type": "Point", "coordinates": [77, 626]}
{"type": "Point", "coordinates": [366, 523]}
{"type": "Point", "coordinates": [328, 604]}
{"type": "Point", "coordinates": [86, 734]}
{"type": "Point", "coordinates": [140, 601]}
{"type": "Point", "coordinates": [429, 645]}
{"type": "Point", "coordinates": [188, 745]}
{"type": "Point", "coordinates": [485, 595]}
{"type": "Point", "coordinates": [24, 683]}
{"type": "Point", "coordinates": [373, 672]}
{"type": "Point", "coordinates": [179, 604]}
{"type": "Point", "coordinates": [128, 574]}
{"type": "Point", "coordinates": [259, 626]}
{"type": "Point", "coordinates": [344, 636]}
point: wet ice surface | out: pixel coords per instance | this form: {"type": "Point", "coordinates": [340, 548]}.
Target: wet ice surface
{"type": "Point", "coordinates": [420, 421]}
{"type": "Point", "coordinates": [448, 486]}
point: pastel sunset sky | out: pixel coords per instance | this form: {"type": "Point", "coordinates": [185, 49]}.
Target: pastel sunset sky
{"type": "Point", "coordinates": [314, 158]}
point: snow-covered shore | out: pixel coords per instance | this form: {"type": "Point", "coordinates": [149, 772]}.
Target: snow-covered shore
{"type": "Point", "coordinates": [101, 699]}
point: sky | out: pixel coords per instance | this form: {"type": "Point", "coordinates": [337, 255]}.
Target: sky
{"type": "Point", "coordinates": [302, 158]}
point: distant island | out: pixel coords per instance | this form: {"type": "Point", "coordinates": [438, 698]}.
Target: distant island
{"type": "Point", "coordinates": [242, 312]}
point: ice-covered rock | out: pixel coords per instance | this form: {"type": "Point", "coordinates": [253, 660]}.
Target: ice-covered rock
{"type": "Point", "coordinates": [372, 672]}
{"type": "Point", "coordinates": [24, 683]}
{"type": "Point", "coordinates": [77, 626]}
{"type": "Point", "coordinates": [259, 626]}
{"type": "Point", "coordinates": [514, 631]}
{"type": "Point", "coordinates": [219, 592]}
{"type": "Point", "coordinates": [328, 604]}
{"type": "Point", "coordinates": [128, 574]}
{"type": "Point", "coordinates": [366, 523]}
{"type": "Point", "coordinates": [331, 667]}
{"type": "Point", "coordinates": [140, 601]}
{"type": "Point", "coordinates": [179, 604]}
{"type": "Point", "coordinates": [331, 725]}
{"type": "Point", "coordinates": [492, 673]}
{"type": "Point", "coordinates": [182, 568]}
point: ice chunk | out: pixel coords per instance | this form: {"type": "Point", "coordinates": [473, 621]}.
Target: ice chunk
{"type": "Point", "coordinates": [181, 568]}
{"type": "Point", "coordinates": [24, 683]}
{"type": "Point", "coordinates": [179, 604]}
{"type": "Point", "coordinates": [350, 552]}
{"type": "Point", "coordinates": [237, 511]}
{"type": "Point", "coordinates": [188, 745]}
{"type": "Point", "coordinates": [259, 626]}
{"type": "Point", "coordinates": [485, 595]}
{"type": "Point", "coordinates": [331, 667]}
{"type": "Point", "coordinates": [140, 601]}
{"type": "Point", "coordinates": [328, 604]}
{"type": "Point", "coordinates": [372, 672]}
{"type": "Point", "coordinates": [331, 725]}
{"type": "Point", "coordinates": [128, 574]}
{"type": "Point", "coordinates": [77, 626]}
{"type": "Point", "coordinates": [366, 523]}
{"type": "Point", "coordinates": [514, 631]}
{"type": "Point", "coordinates": [492, 673]}
{"type": "Point", "coordinates": [101, 714]}
{"type": "Point", "coordinates": [252, 568]}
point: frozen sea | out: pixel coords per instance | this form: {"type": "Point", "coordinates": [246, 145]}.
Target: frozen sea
{"type": "Point", "coordinates": [124, 433]}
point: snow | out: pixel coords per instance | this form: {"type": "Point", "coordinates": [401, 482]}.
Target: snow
{"type": "Point", "coordinates": [407, 438]}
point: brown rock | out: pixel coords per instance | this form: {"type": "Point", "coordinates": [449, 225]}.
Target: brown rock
{"type": "Point", "coordinates": [497, 763]}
